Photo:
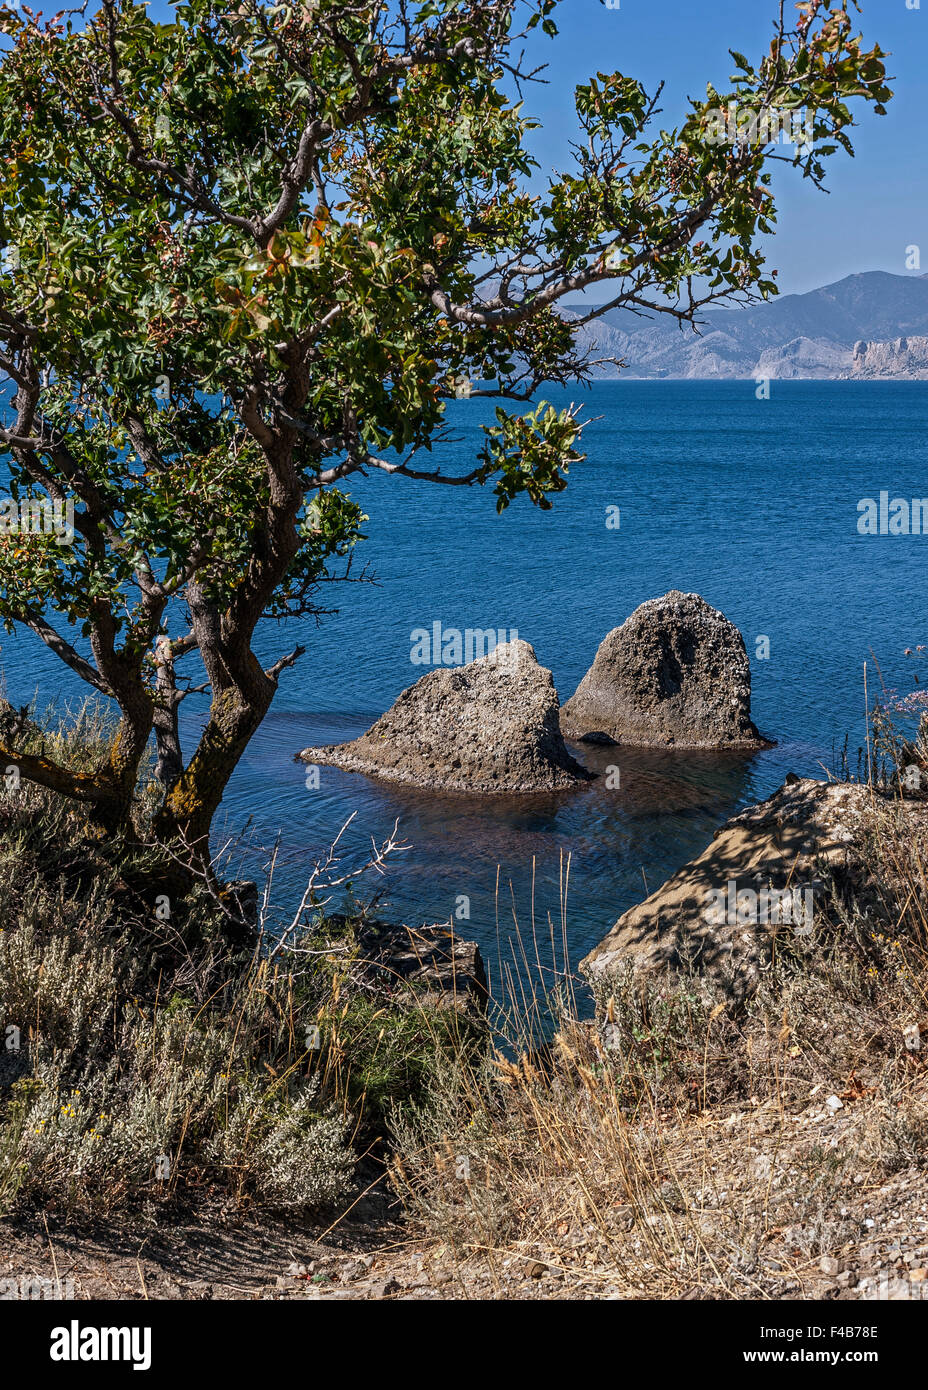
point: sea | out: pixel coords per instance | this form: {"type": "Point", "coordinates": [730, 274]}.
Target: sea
{"type": "Point", "coordinates": [711, 487]}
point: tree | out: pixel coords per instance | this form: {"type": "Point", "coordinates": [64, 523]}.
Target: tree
{"type": "Point", "coordinates": [254, 251]}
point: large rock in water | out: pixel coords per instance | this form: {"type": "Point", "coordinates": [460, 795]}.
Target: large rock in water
{"type": "Point", "coordinates": [675, 673]}
{"type": "Point", "coordinates": [767, 877]}
{"type": "Point", "coordinates": [490, 726]}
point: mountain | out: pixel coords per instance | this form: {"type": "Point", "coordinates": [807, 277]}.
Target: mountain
{"type": "Point", "coordinates": [867, 326]}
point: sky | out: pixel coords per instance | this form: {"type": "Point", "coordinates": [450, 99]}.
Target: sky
{"type": "Point", "coordinates": [878, 201]}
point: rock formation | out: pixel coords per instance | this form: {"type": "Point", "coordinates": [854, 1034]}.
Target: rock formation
{"type": "Point", "coordinates": [766, 877]}
{"type": "Point", "coordinates": [676, 673]}
{"type": "Point", "coordinates": [490, 726]}
{"type": "Point", "coordinates": [902, 359]}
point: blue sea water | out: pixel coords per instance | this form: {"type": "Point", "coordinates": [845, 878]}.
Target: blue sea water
{"type": "Point", "coordinates": [751, 503]}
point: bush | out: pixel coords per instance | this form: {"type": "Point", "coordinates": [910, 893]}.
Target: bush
{"type": "Point", "coordinates": [153, 1060]}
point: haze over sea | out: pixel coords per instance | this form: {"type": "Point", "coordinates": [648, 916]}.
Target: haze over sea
{"type": "Point", "coordinates": [750, 503]}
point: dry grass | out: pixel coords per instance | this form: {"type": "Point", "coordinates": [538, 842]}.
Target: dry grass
{"type": "Point", "coordinates": [681, 1146]}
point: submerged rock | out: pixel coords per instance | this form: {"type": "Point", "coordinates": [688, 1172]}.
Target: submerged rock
{"type": "Point", "coordinates": [675, 673]}
{"type": "Point", "coordinates": [490, 726]}
{"type": "Point", "coordinates": [766, 879]}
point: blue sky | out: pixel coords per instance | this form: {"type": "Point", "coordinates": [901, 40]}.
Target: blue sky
{"type": "Point", "coordinates": [878, 201]}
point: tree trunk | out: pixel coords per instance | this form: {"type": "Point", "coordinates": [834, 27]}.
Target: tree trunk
{"type": "Point", "coordinates": [170, 763]}
{"type": "Point", "coordinates": [194, 797]}
{"type": "Point", "coordinates": [113, 811]}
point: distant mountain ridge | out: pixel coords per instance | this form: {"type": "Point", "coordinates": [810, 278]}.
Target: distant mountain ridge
{"type": "Point", "coordinates": [865, 327]}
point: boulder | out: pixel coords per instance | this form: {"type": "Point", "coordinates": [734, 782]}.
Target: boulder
{"type": "Point", "coordinates": [766, 879]}
{"type": "Point", "coordinates": [676, 673]}
{"type": "Point", "coordinates": [428, 963]}
{"type": "Point", "coordinates": [490, 726]}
